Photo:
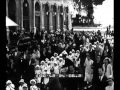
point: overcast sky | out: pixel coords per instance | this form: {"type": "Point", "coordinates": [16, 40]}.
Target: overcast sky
{"type": "Point", "coordinates": [104, 13]}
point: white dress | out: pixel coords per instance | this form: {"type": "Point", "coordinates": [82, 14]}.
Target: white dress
{"type": "Point", "coordinates": [88, 70]}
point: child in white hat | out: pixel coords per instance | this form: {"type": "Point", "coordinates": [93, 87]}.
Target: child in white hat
{"type": "Point", "coordinates": [21, 84]}
{"type": "Point", "coordinates": [33, 85]}
{"type": "Point", "coordinates": [10, 85]}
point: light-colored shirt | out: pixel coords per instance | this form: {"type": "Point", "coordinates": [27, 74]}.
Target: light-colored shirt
{"type": "Point", "coordinates": [33, 87]}
{"type": "Point", "coordinates": [110, 87]}
{"type": "Point", "coordinates": [46, 80]}
{"type": "Point", "coordinates": [109, 70]}
{"type": "Point", "coordinates": [20, 87]}
{"type": "Point", "coordinates": [10, 87]}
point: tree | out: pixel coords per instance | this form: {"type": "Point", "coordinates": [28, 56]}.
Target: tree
{"type": "Point", "coordinates": [88, 4]}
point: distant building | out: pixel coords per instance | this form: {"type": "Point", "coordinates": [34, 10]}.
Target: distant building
{"type": "Point", "coordinates": [32, 15]}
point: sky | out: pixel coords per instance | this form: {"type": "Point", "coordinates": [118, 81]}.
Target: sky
{"type": "Point", "coordinates": [104, 14]}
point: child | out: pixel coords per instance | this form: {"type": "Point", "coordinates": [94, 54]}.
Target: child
{"type": "Point", "coordinates": [33, 85]}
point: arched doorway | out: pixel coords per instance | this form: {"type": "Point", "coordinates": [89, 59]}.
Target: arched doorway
{"type": "Point", "coordinates": [46, 17]}
{"type": "Point", "coordinates": [54, 17]}
{"type": "Point", "coordinates": [61, 18]}
{"type": "Point", "coordinates": [12, 12]}
{"type": "Point", "coordinates": [26, 16]}
{"type": "Point", "coordinates": [37, 16]}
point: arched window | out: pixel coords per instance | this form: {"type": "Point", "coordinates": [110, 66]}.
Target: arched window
{"type": "Point", "coordinates": [37, 7]}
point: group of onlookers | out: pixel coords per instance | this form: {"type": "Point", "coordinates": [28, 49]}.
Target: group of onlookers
{"type": "Point", "coordinates": [87, 53]}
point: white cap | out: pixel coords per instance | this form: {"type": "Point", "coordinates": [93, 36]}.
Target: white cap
{"type": "Point", "coordinates": [37, 66]}
{"type": "Point", "coordinates": [42, 62]}
{"type": "Point", "coordinates": [64, 52]}
{"type": "Point", "coordinates": [9, 82]}
{"type": "Point", "coordinates": [32, 81]}
{"type": "Point", "coordinates": [21, 80]}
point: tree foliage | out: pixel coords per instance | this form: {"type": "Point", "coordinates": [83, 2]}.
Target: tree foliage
{"type": "Point", "coordinates": [89, 2]}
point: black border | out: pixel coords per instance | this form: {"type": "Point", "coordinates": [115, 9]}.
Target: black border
{"type": "Point", "coordinates": [2, 44]}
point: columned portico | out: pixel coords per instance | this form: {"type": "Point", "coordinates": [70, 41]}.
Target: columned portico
{"type": "Point", "coordinates": [53, 19]}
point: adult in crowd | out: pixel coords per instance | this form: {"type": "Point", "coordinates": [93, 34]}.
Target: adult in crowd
{"type": "Point", "coordinates": [107, 68]}
{"type": "Point", "coordinates": [54, 83]}
{"type": "Point", "coordinates": [65, 53]}
{"type": "Point", "coordinates": [88, 70]}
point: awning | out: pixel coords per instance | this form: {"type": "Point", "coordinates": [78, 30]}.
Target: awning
{"type": "Point", "coordinates": [9, 22]}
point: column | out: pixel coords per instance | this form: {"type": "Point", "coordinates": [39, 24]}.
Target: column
{"type": "Point", "coordinates": [7, 28]}
{"type": "Point", "coordinates": [18, 14]}
{"type": "Point", "coordinates": [6, 7]}
{"type": "Point", "coordinates": [62, 25]}
{"type": "Point", "coordinates": [21, 23]}
{"type": "Point", "coordinates": [64, 18]}
{"type": "Point", "coordinates": [50, 18]}
{"type": "Point", "coordinates": [42, 17]}
{"type": "Point", "coordinates": [67, 18]}
{"type": "Point", "coordinates": [58, 16]}
{"type": "Point", "coordinates": [33, 17]}
{"type": "Point", "coordinates": [69, 21]}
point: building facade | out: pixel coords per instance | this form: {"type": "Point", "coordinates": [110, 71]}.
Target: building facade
{"type": "Point", "coordinates": [32, 15]}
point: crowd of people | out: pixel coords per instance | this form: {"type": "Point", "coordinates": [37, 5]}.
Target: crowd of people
{"type": "Point", "coordinates": [90, 54]}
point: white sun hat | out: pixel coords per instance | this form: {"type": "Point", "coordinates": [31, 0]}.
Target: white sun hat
{"type": "Point", "coordinates": [9, 82]}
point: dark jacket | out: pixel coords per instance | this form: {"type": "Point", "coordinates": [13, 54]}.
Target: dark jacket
{"type": "Point", "coordinates": [54, 84]}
